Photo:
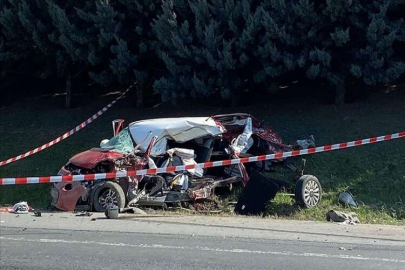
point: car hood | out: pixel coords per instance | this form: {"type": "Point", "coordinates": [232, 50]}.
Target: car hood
{"type": "Point", "coordinates": [90, 158]}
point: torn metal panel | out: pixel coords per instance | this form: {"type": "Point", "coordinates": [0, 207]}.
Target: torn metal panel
{"type": "Point", "coordinates": [168, 197]}
{"type": "Point", "coordinates": [178, 129]}
{"type": "Point", "coordinates": [65, 195]}
{"type": "Point", "coordinates": [89, 159]}
{"type": "Point", "coordinates": [201, 193]}
{"type": "Point", "coordinates": [181, 181]}
{"type": "Point", "coordinates": [205, 188]}
{"type": "Point", "coordinates": [244, 141]}
{"type": "Point", "coordinates": [137, 197]}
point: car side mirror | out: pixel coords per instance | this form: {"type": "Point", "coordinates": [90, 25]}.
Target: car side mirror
{"type": "Point", "coordinates": [347, 198]}
{"type": "Point", "coordinates": [104, 142]}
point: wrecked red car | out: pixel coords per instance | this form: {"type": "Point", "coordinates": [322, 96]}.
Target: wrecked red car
{"type": "Point", "coordinates": [159, 143]}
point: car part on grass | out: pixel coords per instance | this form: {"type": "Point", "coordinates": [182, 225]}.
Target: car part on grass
{"type": "Point", "coordinates": [160, 143]}
{"type": "Point", "coordinates": [347, 198]}
{"type": "Point", "coordinates": [256, 194]}
{"type": "Point", "coordinates": [304, 144]}
{"type": "Point", "coordinates": [341, 217]}
{"type": "Point", "coordinates": [308, 191]}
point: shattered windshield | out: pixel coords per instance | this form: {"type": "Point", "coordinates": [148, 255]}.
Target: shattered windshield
{"type": "Point", "coordinates": [120, 143]}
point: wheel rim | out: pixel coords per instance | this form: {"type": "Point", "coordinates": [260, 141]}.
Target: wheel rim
{"type": "Point", "coordinates": [312, 193]}
{"type": "Point", "coordinates": [108, 199]}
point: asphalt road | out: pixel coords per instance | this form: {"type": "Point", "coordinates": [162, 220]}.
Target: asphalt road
{"type": "Point", "coordinates": [193, 243]}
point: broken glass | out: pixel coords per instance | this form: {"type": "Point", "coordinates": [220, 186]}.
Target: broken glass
{"type": "Point", "coordinates": [120, 143]}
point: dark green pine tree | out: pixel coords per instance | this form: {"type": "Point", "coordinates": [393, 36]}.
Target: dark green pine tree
{"type": "Point", "coordinates": [54, 28]}
{"type": "Point", "coordinates": [396, 12]}
{"type": "Point", "coordinates": [335, 40]}
{"type": "Point", "coordinates": [207, 47]}
{"type": "Point", "coordinates": [357, 41]}
{"type": "Point", "coordinates": [378, 61]}
{"type": "Point", "coordinates": [102, 24]}
{"type": "Point", "coordinates": [69, 40]}
{"type": "Point", "coordinates": [123, 47]}
{"type": "Point", "coordinates": [289, 36]}
{"type": "Point", "coordinates": [15, 44]}
{"type": "Point", "coordinates": [137, 32]}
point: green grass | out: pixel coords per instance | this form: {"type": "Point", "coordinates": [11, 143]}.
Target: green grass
{"type": "Point", "coordinates": [375, 174]}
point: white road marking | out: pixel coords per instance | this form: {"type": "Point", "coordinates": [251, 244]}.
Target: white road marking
{"type": "Point", "coordinates": [279, 253]}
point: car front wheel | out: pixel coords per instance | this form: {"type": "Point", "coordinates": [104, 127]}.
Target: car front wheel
{"type": "Point", "coordinates": [108, 195]}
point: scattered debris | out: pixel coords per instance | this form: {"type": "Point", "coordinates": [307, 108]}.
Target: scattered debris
{"type": "Point", "coordinates": [257, 193]}
{"type": "Point", "coordinates": [133, 210]}
{"type": "Point", "coordinates": [83, 214]}
{"type": "Point", "coordinates": [306, 143]}
{"type": "Point", "coordinates": [342, 218]}
{"type": "Point", "coordinates": [10, 209]}
{"type": "Point", "coordinates": [21, 208]}
{"type": "Point", "coordinates": [6, 209]}
{"type": "Point", "coordinates": [342, 248]}
{"type": "Point", "coordinates": [112, 213]}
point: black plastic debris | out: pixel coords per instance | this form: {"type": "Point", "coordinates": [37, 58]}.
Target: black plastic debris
{"type": "Point", "coordinates": [256, 194]}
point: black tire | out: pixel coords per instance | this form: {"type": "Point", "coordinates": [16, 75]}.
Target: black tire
{"type": "Point", "coordinates": [108, 195]}
{"type": "Point", "coordinates": [308, 191]}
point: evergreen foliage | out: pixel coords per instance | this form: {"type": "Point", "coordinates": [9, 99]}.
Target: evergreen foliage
{"type": "Point", "coordinates": [122, 45]}
{"type": "Point", "coordinates": [207, 47]}
{"type": "Point", "coordinates": [15, 44]}
{"type": "Point", "coordinates": [199, 48]}
{"type": "Point", "coordinates": [231, 45]}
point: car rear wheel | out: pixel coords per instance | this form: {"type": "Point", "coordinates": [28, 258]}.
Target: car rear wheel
{"type": "Point", "coordinates": [308, 191]}
{"type": "Point", "coordinates": [108, 195]}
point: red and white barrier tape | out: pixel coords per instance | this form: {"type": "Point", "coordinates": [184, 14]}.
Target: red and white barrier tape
{"type": "Point", "coordinates": [67, 134]}
{"type": "Point", "coordinates": [11, 210]}
{"type": "Point", "coordinates": [88, 177]}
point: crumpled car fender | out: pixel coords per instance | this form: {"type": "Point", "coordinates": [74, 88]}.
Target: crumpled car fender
{"type": "Point", "coordinates": [65, 195]}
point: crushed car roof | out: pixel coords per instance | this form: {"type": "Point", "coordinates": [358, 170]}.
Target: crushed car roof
{"type": "Point", "coordinates": [178, 129]}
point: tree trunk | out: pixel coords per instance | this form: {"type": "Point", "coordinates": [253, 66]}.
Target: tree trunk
{"type": "Point", "coordinates": [139, 96]}
{"type": "Point", "coordinates": [236, 98]}
{"type": "Point", "coordinates": [340, 93]}
{"type": "Point", "coordinates": [68, 78]}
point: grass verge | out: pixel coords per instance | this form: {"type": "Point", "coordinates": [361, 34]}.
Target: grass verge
{"type": "Point", "coordinates": [375, 174]}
